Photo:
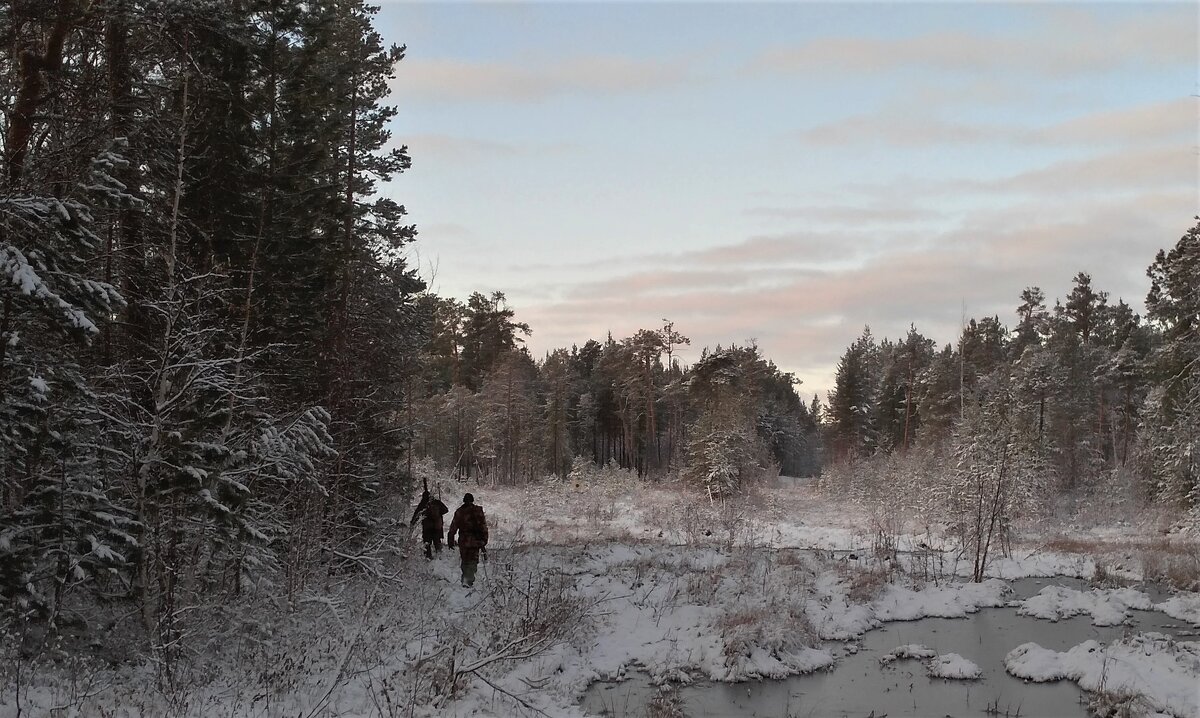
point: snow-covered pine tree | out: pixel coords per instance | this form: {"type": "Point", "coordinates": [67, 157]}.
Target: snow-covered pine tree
{"type": "Point", "coordinates": [724, 449]}
{"type": "Point", "coordinates": [1170, 432]}
{"type": "Point", "coordinates": [852, 402]}
{"type": "Point", "coordinates": [59, 526]}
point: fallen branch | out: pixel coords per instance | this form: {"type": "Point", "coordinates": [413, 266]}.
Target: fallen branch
{"type": "Point", "coordinates": [516, 698]}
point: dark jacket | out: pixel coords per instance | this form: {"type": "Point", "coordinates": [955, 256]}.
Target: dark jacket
{"type": "Point", "coordinates": [431, 511]}
{"type": "Point", "coordinates": [471, 526]}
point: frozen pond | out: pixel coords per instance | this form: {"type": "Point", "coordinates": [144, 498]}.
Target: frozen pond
{"type": "Point", "coordinates": [860, 686]}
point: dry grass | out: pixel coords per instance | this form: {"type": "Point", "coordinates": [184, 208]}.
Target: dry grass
{"type": "Point", "coordinates": [1067, 544]}
{"type": "Point", "coordinates": [1178, 569]}
{"type": "Point", "coordinates": [863, 584]}
{"type": "Point", "coordinates": [1092, 545]}
{"type": "Point", "coordinates": [667, 703]}
{"type": "Point", "coordinates": [790, 557]}
{"type": "Point", "coordinates": [1118, 704]}
{"type": "Point", "coordinates": [1168, 560]}
{"type": "Point", "coordinates": [702, 586]}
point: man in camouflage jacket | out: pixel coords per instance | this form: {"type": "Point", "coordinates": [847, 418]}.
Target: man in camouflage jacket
{"type": "Point", "coordinates": [470, 525]}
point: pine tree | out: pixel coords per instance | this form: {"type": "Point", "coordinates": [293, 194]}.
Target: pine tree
{"type": "Point", "coordinates": [489, 332]}
{"type": "Point", "coordinates": [1031, 322]}
{"type": "Point", "coordinates": [723, 447]}
{"type": "Point", "coordinates": [851, 405]}
{"type": "Point", "coordinates": [1170, 434]}
{"type": "Point", "coordinates": [60, 525]}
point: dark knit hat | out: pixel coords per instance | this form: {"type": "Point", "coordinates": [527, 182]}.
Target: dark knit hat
{"type": "Point", "coordinates": [468, 499]}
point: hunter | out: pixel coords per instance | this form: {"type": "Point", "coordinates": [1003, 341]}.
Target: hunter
{"type": "Point", "coordinates": [470, 525]}
{"type": "Point", "coordinates": [431, 511]}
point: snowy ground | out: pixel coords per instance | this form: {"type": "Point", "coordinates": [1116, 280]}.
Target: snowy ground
{"type": "Point", "coordinates": [590, 583]}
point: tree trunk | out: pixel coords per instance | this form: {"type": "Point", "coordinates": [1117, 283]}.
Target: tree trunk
{"type": "Point", "coordinates": [31, 91]}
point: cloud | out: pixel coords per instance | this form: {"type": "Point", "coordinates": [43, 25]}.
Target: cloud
{"type": "Point", "coordinates": [790, 248]}
{"type": "Point", "coordinates": [446, 80]}
{"type": "Point", "coordinates": [951, 50]}
{"type": "Point", "coordinates": [765, 254]}
{"type": "Point", "coordinates": [1174, 120]}
{"type": "Point", "coordinates": [895, 128]}
{"type": "Point", "coordinates": [1170, 168]}
{"type": "Point", "coordinates": [659, 283]}
{"type": "Point", "coordinates": [1061, 45]}
{"type": "Point", "coordinates": [1157, 168]}
{"type": "Point", "coordinates": [846, 214]}
{"type": "Point", "coordinates": [1155, 123]}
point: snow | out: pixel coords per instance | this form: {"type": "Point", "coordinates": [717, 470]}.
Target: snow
{"type": "Point", "coordinates": [1183, 606]}
{"type": "Point", "coordinates": [794, 518]}
{"type": "Point", "coordinates": [910, 650]}
{"type": "Point", "coordinates": [954, 667]}
{"type": "Point", "coordinates": [1166, 674]}
{"type": "Point", "coordinates": [635, 581]}
{"type": "Point", "coordinates": [17, 271]}
{"type": "Point", "coordinates": [1041, 564]}
{"type": "Point", "coordinates": [949, 665]}
{"type": "Point", "coordinates": [1107, 607]}
{"type": "Point", "coordinates": [951, 600]}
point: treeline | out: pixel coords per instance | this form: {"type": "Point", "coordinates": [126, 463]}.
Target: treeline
{"type": "Point", "coordinates": [491, 411]}
{"type": "Point", "coordinates": [207, 327]}
{"type": "Point", "coordinates": [1094, 394]}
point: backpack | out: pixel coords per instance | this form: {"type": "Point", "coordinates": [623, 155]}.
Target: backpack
{"type": "Point", "coordinates": [474, 525]}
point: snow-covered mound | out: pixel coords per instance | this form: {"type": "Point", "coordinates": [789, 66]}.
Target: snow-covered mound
{"type": "Point", "coordinates": [948, 665]}
{"type": "Point", "coordinates": [1183, 606]}
{"type": "Point", "coordinates": [953, 666]}
{"type": "Point", "coordinates": [1107, 607]}
{"type": "Point", "coordinates": [911, 650]}
{"type": "Point", "coordinates": [1166, 674]}
{"type": "Point", "coordinates": [951, 600]}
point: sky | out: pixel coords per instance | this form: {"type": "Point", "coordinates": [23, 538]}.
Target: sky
{"type": "Point", "coordinates": [788, 173]}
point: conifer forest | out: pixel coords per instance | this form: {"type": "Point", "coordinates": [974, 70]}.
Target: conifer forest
{"type": "Point", "coordinates": [225, 380]}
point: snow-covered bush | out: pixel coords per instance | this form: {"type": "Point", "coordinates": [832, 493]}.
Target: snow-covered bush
{"type": "Point", "coordinates": [777, 625]}
{"type": "Point", "coordinates": [1000, 471]}
{"type": "Point", "coordinates": [582, 470]}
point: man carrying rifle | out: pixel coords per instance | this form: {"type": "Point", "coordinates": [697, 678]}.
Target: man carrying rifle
{"type": "Point", "coordinates": [430, 511]}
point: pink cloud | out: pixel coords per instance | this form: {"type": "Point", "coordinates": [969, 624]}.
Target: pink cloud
{"type": "Point", "coordinates": [443, 80]}
{"type": "Point", "coordinates": [847, 214]}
